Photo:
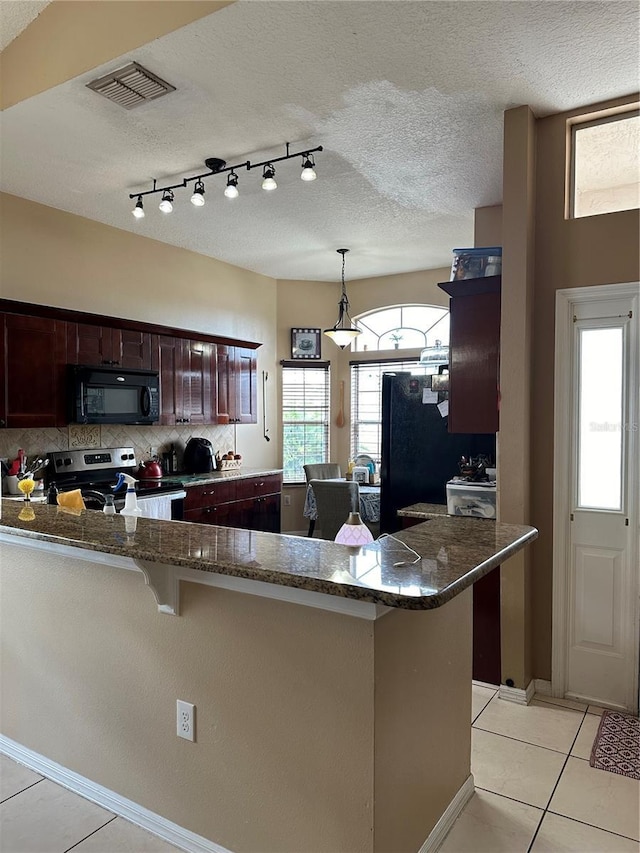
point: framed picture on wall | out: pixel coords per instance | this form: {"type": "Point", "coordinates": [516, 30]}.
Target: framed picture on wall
{"type": "Point", "coordinates": [305, 343]}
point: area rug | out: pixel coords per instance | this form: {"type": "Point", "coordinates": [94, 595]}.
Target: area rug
{"type": "Point", "coordinates": [617, 745]}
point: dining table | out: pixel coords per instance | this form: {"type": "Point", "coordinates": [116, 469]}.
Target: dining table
{"type": "Point", "coordinates": [369, 502]}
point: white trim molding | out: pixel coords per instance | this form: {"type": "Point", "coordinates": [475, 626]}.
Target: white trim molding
{"type": "Point", "coordinates": [517, 694]}
{"type": "Point", "coordinates": [449, 817]}
{"type": "Point", "coordinates": [542, 687]}
{"type": "Point", "coordinates": [110, 800]}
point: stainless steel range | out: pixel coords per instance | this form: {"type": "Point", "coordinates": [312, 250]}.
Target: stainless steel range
{"type": "Point", "coordinates": [95, 471]}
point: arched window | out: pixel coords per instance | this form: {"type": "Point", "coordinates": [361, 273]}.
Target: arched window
{"type": "Point", "coordinates": [402, 327]}
{"type": "Point", "coordinates": [397, 327]}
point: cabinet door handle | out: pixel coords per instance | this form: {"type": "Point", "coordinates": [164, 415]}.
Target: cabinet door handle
{"type": "Point", "coordinates": [258, 485]}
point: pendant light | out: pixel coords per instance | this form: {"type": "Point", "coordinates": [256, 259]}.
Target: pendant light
{"type": "Point", "coordinates": [343, 334]}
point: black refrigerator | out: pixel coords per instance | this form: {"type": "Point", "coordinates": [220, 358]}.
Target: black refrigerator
{"type": "Point", "coordinates": [419, 455]}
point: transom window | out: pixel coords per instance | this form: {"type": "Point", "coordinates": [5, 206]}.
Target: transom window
{"type": "Point", "coordinates": [605, 165]}
{"type": "Point", "coordinates": [402, 327]}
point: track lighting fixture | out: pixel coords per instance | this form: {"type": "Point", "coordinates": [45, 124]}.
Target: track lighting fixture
{"type": "Point", "coordinates": [231, 190]}
{"type": "Point", "coordinates": [166, 205]}
{"type": "Point", "coordinates": [198, 194]}
{"type": "Point", "coordinates": [308, 171]}
{"type": "Point", "coordinates": [217, 166]}
{"type": "Point", "coordinates": [268, 180]}
{"type": "Point", "coordinates": [138, 210]}
{"type": "Point", "coordinates": [343, 334]}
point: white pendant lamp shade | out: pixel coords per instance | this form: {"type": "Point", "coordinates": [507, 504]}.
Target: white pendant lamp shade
{"type": "Point", "coordinates": [166, 205]}
{"type": "Point", "coordinates": [138, 210]}
{"type": "Point", "coordinates": [342, 337]}
{"type": "Point", "coordinates": [268, 180]}
{"type": "Point", "coordinates": [354, 532]}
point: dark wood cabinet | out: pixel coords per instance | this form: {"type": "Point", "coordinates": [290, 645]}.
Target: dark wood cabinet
{"type": "Point", "coordinates": [91, 344]}
{"type": "Point", "coordinates": [203, 379]}
{"type": "Point", "coordinates": [250, 503]}
{"type": "Point", "coordinates": [187, 380]}
{"type": "Point", "coordinates": [34, 372]}
{"type": "Point", "coordinates": [236, 385]}
{"type": "Point", "coordinates": [474, 354]}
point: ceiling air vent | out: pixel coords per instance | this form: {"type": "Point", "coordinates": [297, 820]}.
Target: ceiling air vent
{"type": "Point", "coordinates": [131, 86]}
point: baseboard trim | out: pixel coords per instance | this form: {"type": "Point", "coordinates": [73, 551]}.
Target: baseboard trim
{"type": "Point", "coordinates": [516, 694]}
{"type": "Point", "coordinates": [485, 684]}
{"type": "Point", "coordinates": [542, 686]}
{"type": "Point", "coordinates": [121, 806]}
{"type": "Point", "coordinates": [449, 817]}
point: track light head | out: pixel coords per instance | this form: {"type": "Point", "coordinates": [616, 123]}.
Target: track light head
{"type": "Point", "coordinates": [166, 205]}
{"type": "Point", "coordinates": [198, 194]}
{"type": "Point", "coordinates": [231, 190]}
{"type": "Point", "coordinates": [138, 210]}
{"type": "Point", "coordinates": [268, 180]}
{"type": "Point", "coordinates": [308, 171]}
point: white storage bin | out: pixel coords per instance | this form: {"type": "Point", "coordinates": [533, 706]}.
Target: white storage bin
{"type": "Point", "coordinates": [471, 499]}
{"type": "Point", "coordinates": [360, 474]}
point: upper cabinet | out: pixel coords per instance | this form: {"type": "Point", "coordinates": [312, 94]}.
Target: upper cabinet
{"type": "Point", "coordinates": [236, 385]}
{"type": "Point", "coordinates": [474, 354]}
{"type": "Point", "coordinates": [202, 379]}
{"type": "Point", "coordinates": [89, 344]}
{"type": "Point", "coordinates": [34, 372]}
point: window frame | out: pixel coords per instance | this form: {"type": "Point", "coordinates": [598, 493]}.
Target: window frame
{"type": "Point", "coordinates": [576, 124]}
{"type": "Point", "coordinates": [324, 368]}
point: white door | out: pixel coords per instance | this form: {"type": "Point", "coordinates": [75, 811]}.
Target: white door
{"type": "Point", "coordinates": [601, 584]}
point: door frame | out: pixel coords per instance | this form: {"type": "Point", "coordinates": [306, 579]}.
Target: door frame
{"type": "Point", "coordinates": [566, 299]}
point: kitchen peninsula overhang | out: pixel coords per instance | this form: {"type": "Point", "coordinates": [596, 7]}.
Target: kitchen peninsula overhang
{"type": "Point", "coordinates": [420, 568]}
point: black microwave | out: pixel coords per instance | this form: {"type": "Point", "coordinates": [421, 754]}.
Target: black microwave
{"type": "Point", "coordinates": [111, 395]}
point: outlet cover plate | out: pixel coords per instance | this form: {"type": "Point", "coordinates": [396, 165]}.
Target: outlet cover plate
{"type": "Point", "coordinates": [186, 720]}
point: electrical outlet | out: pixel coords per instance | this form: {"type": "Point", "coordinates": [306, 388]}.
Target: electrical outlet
{"type": "Point", "coordinates": [186, 720]}
{"type": "Point", "coordinates": [286, 499]}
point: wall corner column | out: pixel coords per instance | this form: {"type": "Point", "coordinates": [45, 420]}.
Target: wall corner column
{"type": "Point", "coordinates": [515, 380]}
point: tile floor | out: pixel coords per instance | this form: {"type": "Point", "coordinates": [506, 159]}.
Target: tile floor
{"type": "Point", "coordinates": [535, 791]}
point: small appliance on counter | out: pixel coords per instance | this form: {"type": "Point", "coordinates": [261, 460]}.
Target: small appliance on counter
{"type": "Point", "coordinates": [199, 457]}
{"type": "Point", "coordinates": [150, 470]}
{"type": "Point", "coordinates": [471, 498]}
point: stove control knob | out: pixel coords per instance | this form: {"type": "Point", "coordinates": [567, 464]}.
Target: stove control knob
{"type": "Point", "coordinates": [67, 461]}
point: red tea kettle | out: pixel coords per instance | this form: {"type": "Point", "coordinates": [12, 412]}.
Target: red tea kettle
{"type": "Point", "coordinates": [150, 470]}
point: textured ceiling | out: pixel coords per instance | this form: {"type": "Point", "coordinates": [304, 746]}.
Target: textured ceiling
{"type": "Point", "coordinates": [406, 98]}
{"type": "Point", "coordinates": [15, 15]}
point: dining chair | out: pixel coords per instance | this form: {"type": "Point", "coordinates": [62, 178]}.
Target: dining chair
{"type": "Point", "coordinates": [320, 471]}
{"type": "Point", "coordinates": [334, 502]}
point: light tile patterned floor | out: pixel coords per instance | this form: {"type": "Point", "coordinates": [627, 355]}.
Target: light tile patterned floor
{"type": "Point", "coordinates": [38, 816]}
{"type": "Point", "coordinates": [535, 790]}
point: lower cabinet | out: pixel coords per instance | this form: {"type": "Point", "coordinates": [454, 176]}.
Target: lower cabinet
{"type": "Point", "coordinates": [250, 503]}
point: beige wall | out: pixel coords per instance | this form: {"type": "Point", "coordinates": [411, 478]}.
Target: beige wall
{"type": "Point", "coordinates": [314, 304]}
{"type": "Point", "coordinates": [568, 253]}
{"type": "Point", "coordinates": [108, 30]}
{"type": "Point", "coordinates": [286, 698]}
{"type": "Point", "coordinates": [54, 258]}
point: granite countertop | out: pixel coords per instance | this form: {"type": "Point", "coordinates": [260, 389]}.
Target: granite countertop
{"type": "Point", "coordinates": [455, 552]}
{"type": "Point", "coordinates": [422, 510]}
{"type": "Point", "coordinates": [217, 476]}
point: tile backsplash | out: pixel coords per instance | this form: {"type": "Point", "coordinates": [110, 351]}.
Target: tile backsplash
{"type": "Point", "coordinates": [39, 442]}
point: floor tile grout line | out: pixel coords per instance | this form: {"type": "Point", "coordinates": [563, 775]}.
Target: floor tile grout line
{"type": "Point", "coordinates": [91, 833]}
{"type": "Point", "coordinates": [507, 797]}
{"type": "Point", "coordinates": [592, 825]}
{"type": "Point", "coordinates": [528, 742]}
{"type": "Point", "coordinates": [11, 796]}
{"type": "Point", "coordinates": [546, 808]}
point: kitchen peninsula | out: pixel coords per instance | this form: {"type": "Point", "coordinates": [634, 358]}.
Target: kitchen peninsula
{"type": "Point", "coordinates": [332, 688]}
